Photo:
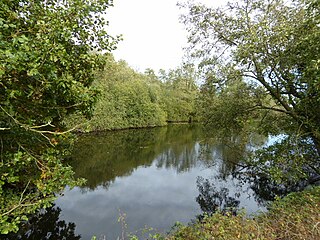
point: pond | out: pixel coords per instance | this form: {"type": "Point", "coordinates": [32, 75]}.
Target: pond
{"type": "Point", "coordinates": [148, 178]}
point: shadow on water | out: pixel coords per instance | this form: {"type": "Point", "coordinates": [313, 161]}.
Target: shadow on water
{"type": "Point", "coordinates": [45, 225]}
{"type": "Point", "coordinates": [213, 200]}
{"type": "Point", "coordinates": [156, 176]}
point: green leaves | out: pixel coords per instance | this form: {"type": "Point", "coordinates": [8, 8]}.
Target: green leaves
{"type": "Point", "coordinates": [42, 47]}
{"type": "Point", "coordinates": [46, 72]}
{"type": "Point", "coordinates": [131, 99]}
{"type": "Point", "coordinates": [260, 63]}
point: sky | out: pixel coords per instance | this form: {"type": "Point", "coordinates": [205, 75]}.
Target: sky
{"type": "Point", "coordinates": [153, 37]}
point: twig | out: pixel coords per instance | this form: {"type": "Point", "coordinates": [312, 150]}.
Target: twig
{"type": "Point", "coordinates": [24, 190]}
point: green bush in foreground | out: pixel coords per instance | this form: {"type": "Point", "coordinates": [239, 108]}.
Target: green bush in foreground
{"type": "Point", "coordinates": [296, 216]}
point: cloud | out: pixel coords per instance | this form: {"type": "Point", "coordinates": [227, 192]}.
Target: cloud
{"type": "Point", "coordinates": [153, 36]}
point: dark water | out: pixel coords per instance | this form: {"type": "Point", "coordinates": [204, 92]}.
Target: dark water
{"type": "Point", "coordinates": [148, 178]}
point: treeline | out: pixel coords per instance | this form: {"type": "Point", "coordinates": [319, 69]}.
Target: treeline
{"type": "Point", "coordinates": [129, 99]}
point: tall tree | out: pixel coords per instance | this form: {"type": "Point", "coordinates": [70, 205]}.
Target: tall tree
{"type": "Point", "coordinates": [273, 43]}
{"type": "Point", "coordinates": [47, 67]}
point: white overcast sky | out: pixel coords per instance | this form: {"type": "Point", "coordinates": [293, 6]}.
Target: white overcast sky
{"type": "Point", "coordinates": [152, 35]}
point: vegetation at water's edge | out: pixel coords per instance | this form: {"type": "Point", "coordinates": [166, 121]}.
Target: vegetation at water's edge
{"type": "Point", "coordinates": [46, 73]}
{"type": "Point", "coordinates": [296, 216]}
{"type": "Point", "coordinates": [259, 61]}
{"type": "Point", "coordinates": [129, 99]}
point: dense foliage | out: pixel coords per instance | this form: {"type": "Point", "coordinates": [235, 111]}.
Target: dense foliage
{"type": "Point", "coordinates": [47, 67]}
{"type": "Point", "coordinates": [260, 62]}
{"type": "Point", "coordinates": [180, 92]}
{"type": "Point", "coordinates": [130, 99]}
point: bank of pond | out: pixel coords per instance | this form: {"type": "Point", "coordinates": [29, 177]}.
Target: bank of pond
{"type": "Point", "coordinates": [141, 182]}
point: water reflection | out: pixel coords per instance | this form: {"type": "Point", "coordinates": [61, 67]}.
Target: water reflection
{"type": "Point", "coordinates": [213, 200]}
{"type": "Point", "coordinates": [45, 225]}
{"type": "Point", "coordinates": [227, 152]}
{"type": "Point", "coordinates": [101, 158]}
{"type": "Point", "coordinates": [157, 177]}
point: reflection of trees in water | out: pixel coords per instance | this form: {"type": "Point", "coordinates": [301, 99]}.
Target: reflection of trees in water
{"type": "Point", "coordinates": [225, 152]}
{"type": "Point", "coordinates": [180, 151]}
{"type": "Point", "coordinates": [45, 225]}
{"type": "Point", "coordinates": [287, 166]}
{"type": "Point", "coordinates": [230, 154]}
{"type": "Point", "coordinates": [229, 151]}
{"type": "Point", "coordinates": [272, 171]}
{"type": "Point", "coordinates": [182, 159]}
{"type": "Point", "coordinates": [213, 200]}
{"type": "Point", "coordinates": [102, 158]}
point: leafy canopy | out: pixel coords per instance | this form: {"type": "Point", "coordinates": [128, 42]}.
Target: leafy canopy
{"type": "Point", "coordinates": [272, 43]}
{"type": "Point", "coordinates": [270, 49]}
{"type": "Point", "coordinates": [47, 66]}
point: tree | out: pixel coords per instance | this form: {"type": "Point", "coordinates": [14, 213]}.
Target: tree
{"type": "Point", "coordinates": [274, 46]}
{"type": "Point", "coordinates": [180, 93]}
{"type": "Point", "coordinates": [47, 67]}
{"type": "Point", "coordinates": [270, 42]}
{"type": "Point", "coordinates": [129, 99]}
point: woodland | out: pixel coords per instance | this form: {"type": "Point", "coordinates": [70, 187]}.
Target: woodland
{"type": "Point", "coordinates": [252, 66]}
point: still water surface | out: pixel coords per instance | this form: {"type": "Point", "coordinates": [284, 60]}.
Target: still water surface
{"type": "Point", "coordinates": [150, 178]}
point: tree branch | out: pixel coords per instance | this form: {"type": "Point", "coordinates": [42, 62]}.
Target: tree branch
{"type": "Point", "coordinates": [35, 128]}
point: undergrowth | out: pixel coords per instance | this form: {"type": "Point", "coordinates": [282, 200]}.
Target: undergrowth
{"type": "Point", "coordinates": [296, 216]}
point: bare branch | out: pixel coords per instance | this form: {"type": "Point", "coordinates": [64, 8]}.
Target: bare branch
{"type": "Point", "coordinates": [35, 128]}
{"type": "Point", "coordinates": [275, 109]}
